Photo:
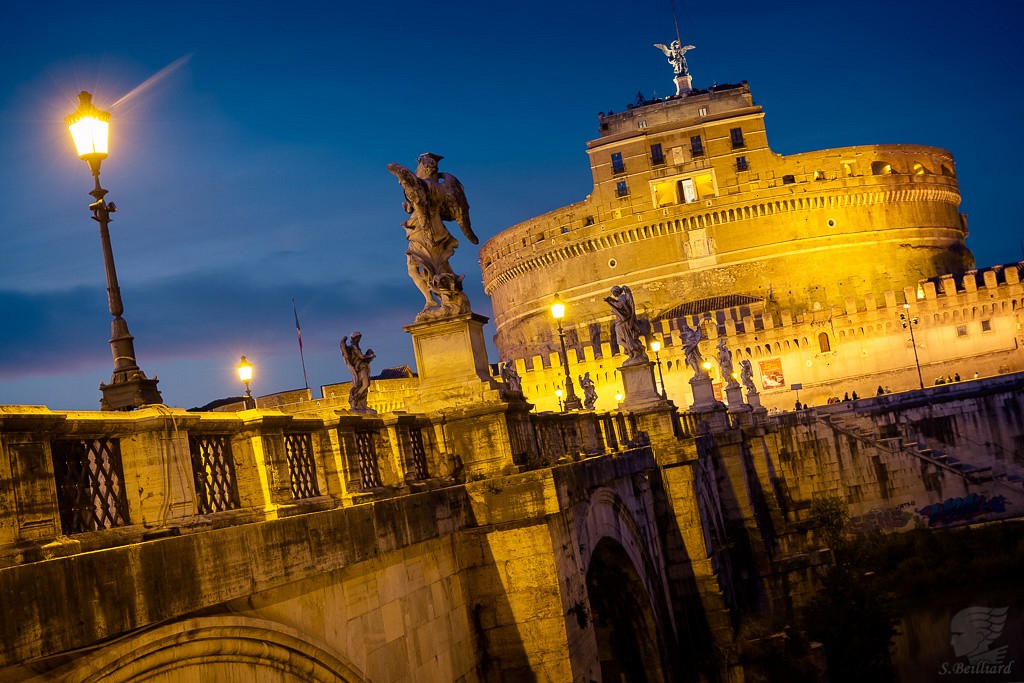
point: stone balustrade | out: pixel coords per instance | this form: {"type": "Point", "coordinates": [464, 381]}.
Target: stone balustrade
{"type": "Point", "coordinates": [79, 481]}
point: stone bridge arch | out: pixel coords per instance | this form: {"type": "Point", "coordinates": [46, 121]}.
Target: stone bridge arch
{"type": "Point", "coordinates": [627, 586]}
{"type": "Point", "coordinates": [213, 648]}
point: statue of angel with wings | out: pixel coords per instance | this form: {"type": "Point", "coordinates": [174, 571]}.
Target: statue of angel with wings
{"type": "Point", "coordinates": [676, 56]}
{"type": "Point", "coordinates": [431, 198]}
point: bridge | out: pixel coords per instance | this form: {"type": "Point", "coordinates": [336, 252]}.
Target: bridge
{"type": "Point", "coordinates": [457, 544]}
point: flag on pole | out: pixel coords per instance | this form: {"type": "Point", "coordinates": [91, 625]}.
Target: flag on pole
{"type": "Point", "coordinates": [298, 332]}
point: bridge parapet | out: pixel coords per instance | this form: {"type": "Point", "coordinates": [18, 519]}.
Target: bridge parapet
{"type": "Point", "coordinates": [78, 481]}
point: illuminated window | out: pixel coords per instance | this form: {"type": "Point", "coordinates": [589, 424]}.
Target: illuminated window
{"type": "Point", "coordinates": [741, 164]}
{"type": "Point", "coordinates": [819, 175]}
{"type": "Point", "coordinates": [617, 165]}
{"type": "Point", "coordinates": [641, 124]}
{"type": "Point", "coordinates": [880, 168]}
{"type": "Point", "coordinates": [919, 169]}
{"type": "Point", "coordinates": [621, 189]}
{"type": "Point", "coordinates": [823, 342]}
{"type": "Point", "coordinates": [703, 111]}
{"type": "Point", "coordinates": [657, 156]}
{"type": "Point", "coordinates": [736, 137]}
{"type": "Point", "coordinates": [696, 146]}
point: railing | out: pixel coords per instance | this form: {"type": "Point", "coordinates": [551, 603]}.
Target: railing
{"type": "Point", "coordinates": [103, 479]}
{"type": "Point", "coordinates": [90, 484]}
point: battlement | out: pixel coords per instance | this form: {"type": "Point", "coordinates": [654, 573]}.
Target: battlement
{"type": "Point", "coordinates": [699, 105]}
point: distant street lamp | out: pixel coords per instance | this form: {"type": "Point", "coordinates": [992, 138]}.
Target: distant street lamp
{"type": "Point", "coordinates": [558, 395]}
{"type": "Point", "coordinates": [572, 402]}
{"type": "Point", "coordinates": [908, 321]}
{"type": "Point", "coordinates": [245, 374]}
{"type": "Point", "coordinates": [656, 347]}
{"type": "Point", "coordinates": [129, 387]}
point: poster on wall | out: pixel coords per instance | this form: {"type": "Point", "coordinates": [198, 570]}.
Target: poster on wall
{"type": "Point", "coordinates": [717, 388]}
{"type": "Point", "coordinates": [771, 373]}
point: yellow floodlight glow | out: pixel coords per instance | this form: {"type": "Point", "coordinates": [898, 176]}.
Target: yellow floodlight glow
{"type": "Point", "coordinates": [655, 346]}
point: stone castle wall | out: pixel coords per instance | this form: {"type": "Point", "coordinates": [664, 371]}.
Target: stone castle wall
{"type": "Point", "coordinates": [967, 324]}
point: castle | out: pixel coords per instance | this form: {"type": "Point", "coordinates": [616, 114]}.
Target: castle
{"type": "Point", "coordinates": [804, 263]}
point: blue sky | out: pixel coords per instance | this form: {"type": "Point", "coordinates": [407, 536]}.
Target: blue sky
{"type": "Point", "coordinates": [253, 172]}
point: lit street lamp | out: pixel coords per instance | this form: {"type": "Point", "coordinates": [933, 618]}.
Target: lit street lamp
{"type": "Point", "coordinates": [558, 395]}
{"type": "Point", "coordinates": [129, 387]}
{"type": "Point", "coordinates": [908, 322]}
{"type": "Point", "coordinates": [572, 402]}
{"type": "Point", "coordinates": [245, 374]}
{"type": "Point", "coordinates": [656, 347]}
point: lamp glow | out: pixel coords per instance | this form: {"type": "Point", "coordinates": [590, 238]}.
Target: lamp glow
{"type": "Point", "coordinates": [557, 309]}
{"type": "Point", "coordinates": [655, 346]}
{"type": "Point", "coordinates": [245, 371]}
{"type": "Point", "coordinates": [90, 128]}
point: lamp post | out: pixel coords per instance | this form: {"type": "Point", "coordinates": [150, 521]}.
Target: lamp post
{"type": "Point", "coordinates": [656, 347]}
{"type": "Point", "coordinates": [129, 387]}
{"type": "Point", "coordinates": [245, 374]}
{"type": "Point", "coordinates": [558, 395]}
{"type": "Point", "coordinates": [908, 321]}
{"type": "Point", "coordinates": [572, 402]}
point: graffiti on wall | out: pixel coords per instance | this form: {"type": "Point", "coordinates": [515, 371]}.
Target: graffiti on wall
{"type": "Point", "coordinates": [882, 519]}
{"type": "Point", "coordinates": [953, 510]}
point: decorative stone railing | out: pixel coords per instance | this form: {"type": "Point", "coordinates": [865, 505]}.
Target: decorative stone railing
{"type": "Point", "coordinates": [77, 481]}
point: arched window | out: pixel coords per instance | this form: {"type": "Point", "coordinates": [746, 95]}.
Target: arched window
{"type": "Point", "coordinates": [880, 168]}
{"type": "Point", "coordinates": [823, 342]}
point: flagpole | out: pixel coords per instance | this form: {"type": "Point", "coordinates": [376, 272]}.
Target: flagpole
{"type": "Point", "coordinates": [298, 332]}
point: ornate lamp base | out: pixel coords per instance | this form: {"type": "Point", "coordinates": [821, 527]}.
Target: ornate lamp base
{"type": "Point", "coordinates": [129, 394]}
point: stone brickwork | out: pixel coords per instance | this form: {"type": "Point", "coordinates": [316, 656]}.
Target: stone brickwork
{"type": "Point", "coordinates": [968, 323]}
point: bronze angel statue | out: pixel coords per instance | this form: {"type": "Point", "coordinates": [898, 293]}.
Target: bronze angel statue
{"type": "Point", "coordinates": [431, 198]}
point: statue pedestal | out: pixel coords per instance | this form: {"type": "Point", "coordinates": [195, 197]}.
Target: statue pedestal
{"type": "Point", "coordinates": [754, 399]}
{"type": "Point", "coordinates": [638, 388]}
{"type": "Point", "coordinates": [451, 360]}
{"type": "Point", "coordinates": [734, 397]}
{"type": "Point", "coordinates": [484, 428]}
{"type": "Point", "coordinates": [704, 395]}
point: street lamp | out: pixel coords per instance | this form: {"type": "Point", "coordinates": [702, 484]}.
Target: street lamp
{"type": "Point", "coordinates": [656, 347]}
{"type": "Point", "coordinates": [572, 402]}
{"type": "Point", "coordinates": [558, 395]}
{"type": "Point", "coordinates": [245, 374]}
{"type": "Point", "coordinates": [908, 321]}
{"type": "Point", "coordinates": [129, 387]}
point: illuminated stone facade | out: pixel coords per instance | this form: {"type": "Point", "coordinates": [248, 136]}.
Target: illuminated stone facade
{"type": "Point", "coordinates": [706, 224]}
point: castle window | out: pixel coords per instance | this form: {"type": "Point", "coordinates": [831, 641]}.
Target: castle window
{"type": "Point", "coordinates": [880, 168]}
{"type": "Point", "coordinates": [986, 325]}
{"type": "Point", "coordinates": [657, 156]}
{"type": "Point", "coordinates": [961, 330]}
{"type": "Point", "coordinates": [621, 189]}
{"type": "Point", "coordinates": [589, 220]}
{"type": "Point", "coordinates": [617, 165]}
{"type": "Point", "coordinates": [819, 175]}
{"type": "Point", "coordinates": [641, 124]}
{"type": "Point", "coordinates": [741, 164]}
{"type": "Point", "coordinates": [696, 146]}
{"type": "Point", "coordinates": [823, 342]}
{"type": "Point", "coordinates": [565, 229]}
{"type": "Point", "coordinates": [736, 137]}
{"type": "Point", "coordinates": [788, 180]}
